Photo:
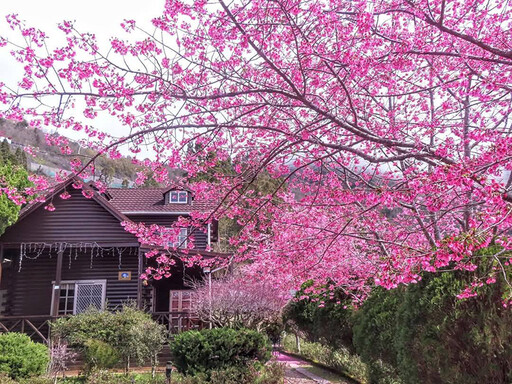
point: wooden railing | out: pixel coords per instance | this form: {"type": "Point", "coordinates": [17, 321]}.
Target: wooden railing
{"type": "Point", "coordinates": [38, 327]}
{"type": "Point", "coordinates": [176, 322]}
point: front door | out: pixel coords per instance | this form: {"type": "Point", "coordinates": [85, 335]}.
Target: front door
{"type": "Point", "coordinates": [180, 316]}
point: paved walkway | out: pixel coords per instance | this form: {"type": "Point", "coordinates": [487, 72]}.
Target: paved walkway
{"type": "Point", "coordinates": [296, 373]}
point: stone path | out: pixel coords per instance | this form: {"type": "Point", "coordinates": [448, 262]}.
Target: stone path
{"type": "Point", "coordinates": [296, 373]}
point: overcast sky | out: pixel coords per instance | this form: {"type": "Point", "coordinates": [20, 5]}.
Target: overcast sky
{"type": "Point", "coordinates": [101, 17]}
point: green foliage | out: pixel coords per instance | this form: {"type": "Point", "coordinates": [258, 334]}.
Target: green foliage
{"type": "Point", "coordinates": [416, 333]}
{"type": "Point", "coordinates": [213, 349]}
{"type": "Point", "coordinates": [21, 357]}
{"type": "Point", "coordinates": [13, 174]}
{"type": "Point", "coordinates": [374, 333]}
{"type": "Point", "coordinates": [99, 354]}
{"type": "Point", "coordinates": [37, 380]}
{"type": "Point", "coordinates": [91, 324]}
{"type": "Point", "coordinates": [234, 375]}
{"type": "Point", "coordinates": [329, 325]}
{"type": "Point", "coordinates": [272, 373]}
{"type": "Point", "coordinates": [30, 380]}
{"type": "Point", "coordinates": [427, 335]}
{"type": "Point", "coordinates": [101, 376]}
{"type": "Point", "coordinates": [131, 332]}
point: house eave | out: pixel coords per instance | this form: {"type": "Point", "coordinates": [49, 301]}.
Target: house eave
{"type": "Point", "coordinates": [154, 213]}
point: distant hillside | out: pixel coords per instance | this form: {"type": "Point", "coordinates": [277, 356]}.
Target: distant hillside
{"type": "Point", "coordinates": [49, 159]}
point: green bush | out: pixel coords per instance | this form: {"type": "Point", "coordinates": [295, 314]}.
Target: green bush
{"type": "Point", "coordinates": [99, 354]}
{"type": "Point", "coordinates": [39, 380]}
{"type": "Point", "coordinates": [131, 332]}
{"type": "Point", "coordinates": [21, 357]}
{"type": "Point", "coordinates": [216, 349]}
{"type": "Point", "coordinates": [423, 333]}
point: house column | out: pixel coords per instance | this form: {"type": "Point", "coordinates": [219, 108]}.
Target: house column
{"type": "Point", "coordinates": [1, 260]}
{"type": "Point", "coordinates": [58, 277]}
{"type": "Point", "coordinates": [140, 267]}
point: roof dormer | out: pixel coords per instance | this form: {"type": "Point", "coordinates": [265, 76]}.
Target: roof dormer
{"type": "Point", "coordinates": [177, 195]}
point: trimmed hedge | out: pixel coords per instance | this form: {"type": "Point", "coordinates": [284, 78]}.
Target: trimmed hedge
{"type": "Point", "coordinates": [21, 357]}
{"type": "Point", "coordinates": [197, 352]}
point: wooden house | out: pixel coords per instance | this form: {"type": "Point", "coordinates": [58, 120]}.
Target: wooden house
{"type": "Point", "coordinates": [71, 251]}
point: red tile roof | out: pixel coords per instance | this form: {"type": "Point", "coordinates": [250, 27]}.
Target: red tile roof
{"type": "Point", "coordinates": [129, 200]}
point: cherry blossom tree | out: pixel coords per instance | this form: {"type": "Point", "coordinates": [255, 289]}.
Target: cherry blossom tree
{"type": "Point", "coordinates": [386, 122]}
{"type": "Point", "coordinates": [233, 301]}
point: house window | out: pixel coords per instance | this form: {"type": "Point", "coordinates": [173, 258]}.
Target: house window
{"type": "Point", "coordinates": [181, 240]}
{"type": "Point", "coordinates": [67, 299]}
{"type": "Point", "coordinates": [180, 197]}
{"type": "Point", "coordinates": [78, 296]}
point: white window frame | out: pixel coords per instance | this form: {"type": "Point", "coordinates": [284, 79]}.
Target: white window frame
{"type": "Point", "coordinates": [182, 240]}
{"type": "Point", "coordinates": [179, 195]}
{"type": "Point", "coordinates": [103, 283]}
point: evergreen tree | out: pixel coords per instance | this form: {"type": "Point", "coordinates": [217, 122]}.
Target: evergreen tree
{"type": "Point", "coordinates": [13, 174]}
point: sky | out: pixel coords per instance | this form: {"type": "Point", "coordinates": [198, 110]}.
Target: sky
{"type": "Point", "coordinates": [102, 17]}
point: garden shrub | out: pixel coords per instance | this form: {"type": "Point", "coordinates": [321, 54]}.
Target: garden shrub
{"type": "Point", "coordinates": [99, 354]}
{"type": "Point", "coordinates": [219, 348]}
{"type": "Point", "coordinates": [21, 357]}
{"type": "Point", "coordinates": [420, 333]}
{"type": "Point", "coordinates": [147, 378]}
{"type": "Point", "coordinates": [131, 332]}
{"type": "Point", "coordinates": [38, 380]}
{"type": "Point", "coordinates": [423, 333]}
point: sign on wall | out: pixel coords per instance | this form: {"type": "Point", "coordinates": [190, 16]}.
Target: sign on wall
{"type": "Point", "coordinates": [124, 275]}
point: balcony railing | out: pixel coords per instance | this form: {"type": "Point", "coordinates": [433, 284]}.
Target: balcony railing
{"type": "Point", "coordinates": [39, 329]}
{"type": "Point", "coordinates": [176, 322]}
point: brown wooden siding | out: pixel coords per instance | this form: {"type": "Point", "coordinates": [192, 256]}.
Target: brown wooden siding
{"type": "Point", "coordinates": [200, 236]}
{"type": "Point", "coordinates": [77, 219]}
{"type": "Point", "coordinates": [29, 290]}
